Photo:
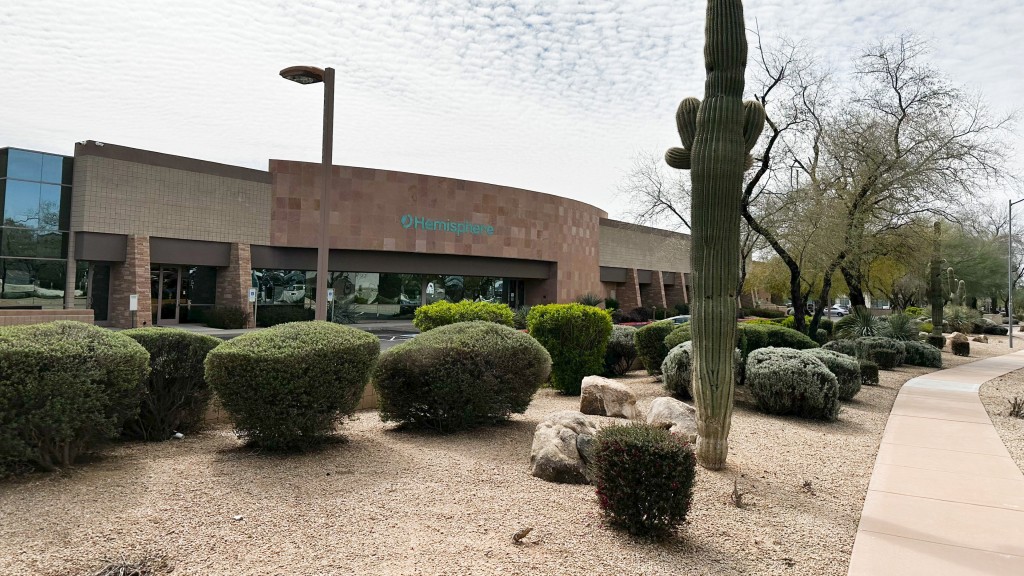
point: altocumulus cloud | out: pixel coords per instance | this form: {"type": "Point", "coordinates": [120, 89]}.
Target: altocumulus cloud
{"type": "Point", "coordinates": [550, 95]}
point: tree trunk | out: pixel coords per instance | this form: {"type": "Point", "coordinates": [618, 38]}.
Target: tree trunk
{"type": "Point", "coordinates": [853, 283]}
{"type": "Point", "coordinates": [716, 135]}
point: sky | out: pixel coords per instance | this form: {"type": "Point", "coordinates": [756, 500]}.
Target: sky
{"type": "Point", "coordinates": [554, 96]}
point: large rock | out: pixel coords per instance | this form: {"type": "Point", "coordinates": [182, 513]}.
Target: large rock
{"type": "Point", "coordinates": [676, 415]}
{"type": "Point", "coordinates": [563, 446]}
{"type": "Point", "coordinates": [957, 337]}
{"type": "Point", "coordinates": [605, 397]}
{"type": "Point", "coordinates": [983, 339]}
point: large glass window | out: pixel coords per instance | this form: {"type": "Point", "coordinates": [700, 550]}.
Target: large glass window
{"type": "Point", "coordinates": [36, 208]}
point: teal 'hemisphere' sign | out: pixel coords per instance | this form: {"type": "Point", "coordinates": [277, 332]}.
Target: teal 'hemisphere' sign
{"type": "Point", "coordinates": [457, 228]}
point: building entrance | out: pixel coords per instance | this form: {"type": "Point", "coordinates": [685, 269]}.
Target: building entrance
{"type": "Point", "coordinates": [166, 288]}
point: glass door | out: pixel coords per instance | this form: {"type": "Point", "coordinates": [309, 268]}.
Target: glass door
{"type": "Point", "coordinates": [166, 287]}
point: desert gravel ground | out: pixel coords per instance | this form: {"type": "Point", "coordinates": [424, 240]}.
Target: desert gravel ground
{"type": "Point", "coordinates": [996, 395]}
{"type": "Point", "coordinates": [395, 502]}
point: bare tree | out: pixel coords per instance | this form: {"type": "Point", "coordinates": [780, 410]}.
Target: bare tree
{"type": "Point", "coordinates": [657, 195]}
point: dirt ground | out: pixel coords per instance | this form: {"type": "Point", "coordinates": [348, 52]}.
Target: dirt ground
{"type": "Point", "coordinates": [394, 502]}
{"type": "Point", "coordinates": [996, 395]}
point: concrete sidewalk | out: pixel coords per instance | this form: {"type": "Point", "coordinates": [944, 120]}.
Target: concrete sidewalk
{"type": "Point", "coordinates": [945, 498]}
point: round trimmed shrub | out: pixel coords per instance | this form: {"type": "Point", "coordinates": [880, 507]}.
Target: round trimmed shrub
{"type": "Point", "coordinates": [868, 373]}
{"type": "Point", "coordinates": [644, 478]}
{"type": "Point", "coordinates": [996, 330]}
{"type": "Point", "coordinates": [460, 376]}
{"type": "Point", "coordinates": [752, 337]}
{"type": "Point", "coordinates": [884, 358]}
{"type": "Point", "coordinates": [576, 337]}
{"type": "Point", "coordinates": [443, 312]}
{"type": "Point", "coordinates": [677, 370]}
{"type": "Point", "coordinates": [621, 351]}
{"type": "Point", "coordinates": [845, 368]}
{"type": "Point", "coordinates": [867, 345]}
{"type": "Point", "coordinates": [176, 394]}
{"type": "Point", "coordinates": [847, 347]}
{"type": "Point", "coordinates": [789, 382]}
{"type": "Point", "coordinates": [65, 387]}
{"type": "Point", "coordinates": [960, 348]}
{"type": "Point", "coordinates": [678, 335]}
{"type": "Point", "coordinates": [286, 386]}
{"type": "Point", "coordinates": [939, 342]}
{"type": "Point", "coordinates": [921, 354]}
{"type": "Point", "coordinates": [650, 345]}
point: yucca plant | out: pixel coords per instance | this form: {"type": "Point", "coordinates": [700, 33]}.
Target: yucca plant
{"type": "Point", "coordinates": [859, 322]}
{"type": "Point", "coordinates": [960, 318]}
{"type": "Point", "coordinates": [901, 327]}
{"type": "Point", "coordinates": [590, 299]}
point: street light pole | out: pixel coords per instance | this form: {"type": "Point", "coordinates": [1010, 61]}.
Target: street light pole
{"type": "Point", "coordinates": [312, 75]}
{"type": "Point", "coordinates": [1009, 265]}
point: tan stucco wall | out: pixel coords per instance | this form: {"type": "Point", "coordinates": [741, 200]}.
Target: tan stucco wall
{"type": "Point", "coordinates": [625, 245]}
{"type": "Point", "coordinates": [116, 196]}
{"type": "Point", "coordinates": [367, 207]}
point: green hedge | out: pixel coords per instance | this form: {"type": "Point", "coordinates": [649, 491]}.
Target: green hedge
{"type": "Point", "coordinates": [790, 382]}
{"type": "Point", "coordinates": [443, 312]}
{"type": "Point", "coordinates": [922, 354]}
{"type": "Point", "coordinates": [226, 317]}
{"type": "Point", "coordinates": [460, 376]}
{"type": "Point", "coordinates": [286, 386]}
{"type": "Point", "coordinates": [65, 387]}
{"type": "Point", "coordinates": [621, 351]}
{"type": "Point", "coordinates": [272, 315]}
{"type": "Point", "coordinates": [848, 347]}
{"type": "Point", "coordinates": [678, 335]}
{"type": "Point", "coordinates": [650, 344]}
{"type": "Point", "coordinates": [644, 478]}
{"type": "Point", "coordinates": [576, 337]}
{"type": "Point", "coordinates": [867, 347]}
{"type": "Point", "coordinates": [750, 336]}
{"type": "Point", "coordinates": [845, 368]}
{"type": "Point", "coordinates": [176, 394]}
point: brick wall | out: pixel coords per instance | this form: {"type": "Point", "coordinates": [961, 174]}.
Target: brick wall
{"type": "Point", "coordinates": [18, 317]}
{"type": "Point", "coordinates": [676, 293]}
{"type": "Point", "coordinates": [629, 292]}
{"type": "Point", "coordinates": [653, 294]}
{"type": "Point", "coordinates": [233, 282]}
{"type": "Point", "coordinates": [131, 277]}
{"type": "Point", "coordinates": [625, 245]}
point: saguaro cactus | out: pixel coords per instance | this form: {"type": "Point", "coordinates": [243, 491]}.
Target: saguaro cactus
{"type": "Point", "coordinates": [717, 136]}
{"type": "Point", "coordinates": [956, 289]}
{"type": "Point", "coordinates": [935, 289]}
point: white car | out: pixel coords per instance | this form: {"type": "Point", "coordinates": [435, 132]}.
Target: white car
{"type": "Point", "coordinates": [838, 310]}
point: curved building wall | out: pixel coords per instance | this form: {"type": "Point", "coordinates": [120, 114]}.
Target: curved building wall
{"type": "Point", "coordinates": [387, 211]}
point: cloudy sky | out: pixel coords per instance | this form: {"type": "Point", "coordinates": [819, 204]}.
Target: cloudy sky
{"type": "Point", "coordinates": [555, 96]}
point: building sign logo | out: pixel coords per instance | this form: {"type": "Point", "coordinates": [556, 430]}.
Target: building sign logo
{"type": "Point", "coordinates": [457, 228]}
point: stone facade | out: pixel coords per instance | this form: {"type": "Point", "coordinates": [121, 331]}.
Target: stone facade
{"type": "Point", "coordinates": [234, 281]}
{"type": "Point", "coordinates": [374, 210]}
{"type": "Point", "coordinates": [676, 292]}
{"type": "Point", "coordinates": [629, 292]}
{"type": "Point", "coordinates": [131, 277]}
{"type": "Point", "coordinates": [627, 245]}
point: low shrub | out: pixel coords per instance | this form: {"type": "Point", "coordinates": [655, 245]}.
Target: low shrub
{"type": "Point", "coordinates": [766, 313]}
{"type": "Point", "coordinates": [926, 327]}
{"type": "Point", "coordinates": [921, 354]}
{"type": "Point", "coordinates": [226, 317]}
{"type": "Point", "coordinates": [996, 330]}
{"type": "Point", "coordinates": [858, 323]}
{"type": "Point", "coordinates": [285, 387]}
{"type": "Point", "coordinates": [650, 345]}
{"type": "Point", "coordinates": [752, 337]}
{"type": "Point", "coordinates": [938, 342]}
{"type": "Point", "coordinates": [460, 376]}
{"type": "Point", "coordinates": [868, 373]}
{"type": "Point", "coordinates": [576, 337]}
{"type": "Point", "coordinates": [827, 325]}
{"type": "Point", "coordinates": [677, 370]}
{"type": "Point", "coordinates": [640, 314]}
{"type": "Point", "coordinates": [176, 394]}
{"type": "Point", "coordinates": [821, 336]}
{"type": "Point", "coordinates": [915, 312]}
{"type": "Point", "coordinates": [848, 347]}
{"type": "Point", "coordinates": [900, 327]}
{"type": "Point", "coordinates": [884, 358]}
{"type": "Point", "coordinates": [843, 367]}
{"type": "Point", "coordinates": [519, 317]}
{"type": "Point", "coordinates": [611, 304]}
{"type": "Point", "coordinates": [267, 316]}
{"type": "Point", "coordinates": [678, 335]}
{"type": "Point", "coordinates": [621, 351]}
{"type": "Point", "coordinates": [644, 478]}
{"type": "Point", "coordinates": [682, 308]}
{"type": "Point", "coordinates": [66, 387]}
{"type": "Point", "coordinates": [867, 345]}
{"type": "Point", "coordinates": [959, 318]}
{"type": "Point", "coordinates": [789, 382]}
{"type": "Point", "coordinates": [443, 312]}
{"type": "Point", "coordinates": [960, 348]}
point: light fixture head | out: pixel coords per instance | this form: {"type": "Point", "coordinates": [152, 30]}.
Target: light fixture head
{"type": "Point", "coordinates": [303, 74]}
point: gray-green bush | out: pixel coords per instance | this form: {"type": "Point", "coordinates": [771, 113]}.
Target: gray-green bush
{"type": "Point", "coordinates": [65, 388]}
{"type": "Point", "coordinates": [869, 345]}
{"type": "Point", "coordinates": [621, 351]}
{"type": "Point", "coordinates": [176, 393]}
{"type": "Point", "coordinates": [677, 369]}
{"type": "Point", "coordinates": [921, 354]}
{"type": "Point", "coordinates": [847, 347]}
{"type": "Point", "coordinates": [789, 382]}
{"type": "Point", "coordinates": [285, 387]}
{"type": "Point", "coordinates": [460, 376]}
{"type": "Point", "coordinates": [845, 368]}
{"type": "Point", "coordinates": [868, 373]}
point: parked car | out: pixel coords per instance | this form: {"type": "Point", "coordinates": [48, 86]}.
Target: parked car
{"type": "Point", "coordinates": [838, 310]}
{"type": "Point", "coordinates": [682, 319]}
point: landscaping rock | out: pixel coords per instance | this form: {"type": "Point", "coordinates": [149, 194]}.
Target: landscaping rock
{"type": "Point", "coordinates": [958, 337]}
{"type": "Point", "coordinates": [605, 397]}
{"type": "Point", "coordinates": [676, 415]}
{"type": "Point", "coordinates": [983, 339]}
{"type": "Point", "coordinates": [563, 446]}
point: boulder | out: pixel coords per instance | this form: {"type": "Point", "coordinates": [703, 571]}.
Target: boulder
{"type": "Point", "coordinates": [983, 339]}
{"type": "Point", "coordinates": [605, 397]}
{"type": "Point", "coordinates": [676, 415]}
{"type": "Point", "coordinates": [957, 337]}
{"type": "Point", "coordinates": [563, 446]}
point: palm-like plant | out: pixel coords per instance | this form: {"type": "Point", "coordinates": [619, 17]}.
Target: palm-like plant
{"type": "Point", "coordinates": [858, 323]}
{"type": "Point", "coordinates": [901, 327]}
{"type": "Point", "coordinates": [589, 299]}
